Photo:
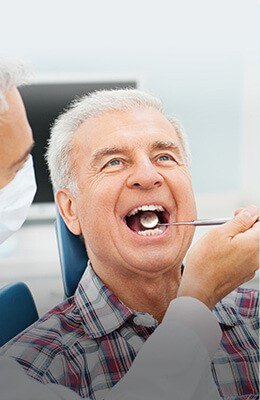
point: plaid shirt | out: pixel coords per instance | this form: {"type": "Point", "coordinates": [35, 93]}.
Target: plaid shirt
{"type": "Point", "coordinates": [89, 342]}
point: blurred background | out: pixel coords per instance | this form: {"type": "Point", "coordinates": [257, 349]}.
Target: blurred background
{"type": "Point", "coordinates": [201, 58]}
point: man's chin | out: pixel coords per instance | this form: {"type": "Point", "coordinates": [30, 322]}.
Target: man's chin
{"type": "Point", "coordinates": [153, 262]}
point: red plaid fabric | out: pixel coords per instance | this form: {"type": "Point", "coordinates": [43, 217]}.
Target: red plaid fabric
{"type": "Point", "coordinates": [89, 342]}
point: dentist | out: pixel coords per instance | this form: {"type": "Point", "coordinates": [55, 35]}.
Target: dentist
{"type": "Point", "coordinates": [174, 363]}
{"type": "Point", "coordinates": [17, 180]}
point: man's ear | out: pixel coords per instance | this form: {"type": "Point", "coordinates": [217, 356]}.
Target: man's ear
{"type": "Point", "coordinates": [67, 206]}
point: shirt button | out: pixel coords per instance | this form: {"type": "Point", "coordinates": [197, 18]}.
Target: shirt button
{"type": "Point", "coordinates": [144, 320]}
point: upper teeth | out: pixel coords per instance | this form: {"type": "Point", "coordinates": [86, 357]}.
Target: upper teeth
{"type": "Point", "coordinates": [151, 207]}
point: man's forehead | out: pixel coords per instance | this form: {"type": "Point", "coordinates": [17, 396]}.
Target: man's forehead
{"type": "Point", "coordinates": [111, 118]}
{"type": "Point", "coordinates": [125, 127]}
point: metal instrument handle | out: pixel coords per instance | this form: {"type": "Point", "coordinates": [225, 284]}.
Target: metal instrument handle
{"type": "Point", "coordinates": [199, 222]}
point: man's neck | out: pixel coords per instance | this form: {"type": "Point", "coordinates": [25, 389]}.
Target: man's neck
{"type": "Point", "coordinates": [151, 294]}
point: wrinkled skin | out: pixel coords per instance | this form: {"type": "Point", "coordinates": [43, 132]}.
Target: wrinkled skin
{"type": "Point", "coordinates": [16, 139]}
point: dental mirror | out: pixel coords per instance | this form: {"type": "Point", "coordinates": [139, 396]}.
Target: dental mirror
{"type": "Point", "coordinates": [149, 220]}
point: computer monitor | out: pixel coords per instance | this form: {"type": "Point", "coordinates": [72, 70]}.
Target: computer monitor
{"type": "Point", "coordinates": [44, 100]}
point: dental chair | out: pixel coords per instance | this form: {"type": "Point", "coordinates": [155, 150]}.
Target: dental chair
{"type": "Point", "coordinates": [17, 310]}
{"type": "Point", "coordinates": [73, 256]}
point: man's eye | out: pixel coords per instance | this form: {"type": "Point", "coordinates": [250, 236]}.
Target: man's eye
{"type": "Point", "coordinates": [113, 163]}
{"type": "Point", "coordinates": [165, 157]}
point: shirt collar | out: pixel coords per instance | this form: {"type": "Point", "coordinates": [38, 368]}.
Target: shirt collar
{"type": "Point", "coordinates": [101, 311]}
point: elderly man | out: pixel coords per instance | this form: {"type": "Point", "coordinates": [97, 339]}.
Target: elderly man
{"type": "Point", "coordinates": [117, 163]}
{"type": "Point", "coordinates": [17, 188]}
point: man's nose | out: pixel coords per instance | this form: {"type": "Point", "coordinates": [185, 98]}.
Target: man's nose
{"type": "Point", "coordinates": [144, 176]}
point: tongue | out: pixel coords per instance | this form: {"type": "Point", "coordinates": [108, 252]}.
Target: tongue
{"type": "Point", "coordinates": [134, 221]}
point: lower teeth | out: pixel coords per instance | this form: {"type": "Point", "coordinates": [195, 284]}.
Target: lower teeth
{"type": "Point", "coordinates": [151, 232]}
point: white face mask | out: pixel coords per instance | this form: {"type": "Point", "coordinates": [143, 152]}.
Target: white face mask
{"type": "Point", "coordinates": [15, 200]}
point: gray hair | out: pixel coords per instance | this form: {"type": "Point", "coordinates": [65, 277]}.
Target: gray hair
{"type": "Point", "coordinates": [59, 150]}
{"type": "Point", "coordinates": [12, 73]}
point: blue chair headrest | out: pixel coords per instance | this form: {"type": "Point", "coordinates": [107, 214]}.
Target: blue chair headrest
{"type": "Point", "coordinates": [73, 256]}
{"type": "Point", "coordinates": [17, 310]}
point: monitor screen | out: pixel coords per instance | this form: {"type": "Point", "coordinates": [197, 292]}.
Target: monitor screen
{"type": "Point", "coordinates": [43, 103]}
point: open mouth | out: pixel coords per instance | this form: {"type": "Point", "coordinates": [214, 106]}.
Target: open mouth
{"type": "Point", "coordinates": [144, 220]}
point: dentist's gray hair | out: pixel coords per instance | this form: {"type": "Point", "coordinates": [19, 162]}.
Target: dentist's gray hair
{"type": "Point", "coordinates": [59, 150]}
{"type": "Point", "coordinates": [12, 73]}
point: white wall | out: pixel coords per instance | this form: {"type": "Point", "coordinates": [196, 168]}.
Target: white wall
{"type": "Point", "coordinates": [199, 56]}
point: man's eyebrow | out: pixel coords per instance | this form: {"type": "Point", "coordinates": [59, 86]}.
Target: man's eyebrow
{"type": "Point", "coordinates": [106, 151]}
{"type": "Point", "coordinates": [23, 157]}
{"type": "Point", "coordinates": [165, 145]}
